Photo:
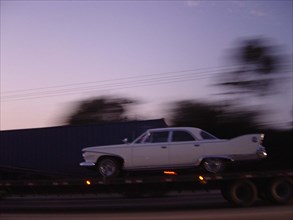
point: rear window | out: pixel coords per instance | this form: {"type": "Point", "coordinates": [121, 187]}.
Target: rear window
{"type": "Point", "coordinates": [179, 136]}
{"type": "Point", "coordinates": [206, 136]}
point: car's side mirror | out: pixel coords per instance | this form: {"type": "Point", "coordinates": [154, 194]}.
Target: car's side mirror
{"type": "Point", "coordinates": [125, 141]}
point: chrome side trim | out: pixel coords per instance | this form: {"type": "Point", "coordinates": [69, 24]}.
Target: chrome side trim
{"type": "Point", "coordinates": [101, 153]}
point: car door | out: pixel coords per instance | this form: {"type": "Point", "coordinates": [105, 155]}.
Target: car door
{"type": "Point", "coordinates": [152, 152]}
{"type": "Point", "coordinates": [184, 149]}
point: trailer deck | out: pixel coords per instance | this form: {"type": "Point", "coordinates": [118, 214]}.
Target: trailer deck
{"type": "Point", "coordinates": [239, 188]}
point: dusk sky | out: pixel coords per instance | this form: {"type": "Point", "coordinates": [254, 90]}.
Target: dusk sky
{"type": "Point", "coordinates": [54, 53]}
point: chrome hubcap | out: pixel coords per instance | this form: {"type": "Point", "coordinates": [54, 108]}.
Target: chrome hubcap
{"type": "Point", "coordinates": [107, 168]}
{"type": "Point", "coordinates": [213, 165]}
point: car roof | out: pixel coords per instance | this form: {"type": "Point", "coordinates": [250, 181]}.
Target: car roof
{"type": "Point", "coordinates": [191, 129]}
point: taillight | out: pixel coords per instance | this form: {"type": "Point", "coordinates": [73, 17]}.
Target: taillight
{"type": "Point", "coordinates": [262, 137]}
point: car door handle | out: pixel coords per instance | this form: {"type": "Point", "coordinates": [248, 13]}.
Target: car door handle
{"type": "Point", "coordinates": [164, 147]}
{"type": "Point", "coordinates": [196, 145]}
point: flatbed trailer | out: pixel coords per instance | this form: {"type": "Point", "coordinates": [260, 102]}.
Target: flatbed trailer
{"type": "Point", "coordinates": [238, 188]}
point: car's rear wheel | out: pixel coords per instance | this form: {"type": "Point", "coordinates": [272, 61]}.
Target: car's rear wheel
{"type": "Point", "coordinates": [109, 167]}
{"type": "Point", "coordinates": [214, 165]}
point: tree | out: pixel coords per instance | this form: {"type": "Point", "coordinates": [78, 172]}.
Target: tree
{"type": "Point", "coordinates": [257, 71]}
{"type": "Point", "coordinates": [261, 74]}
{"type": "Point", "coordinates": [194, 113]}
{"type": "Point", "coordinates": [223, 120]}
{"type": "Point", "coordinates": [99, 110]}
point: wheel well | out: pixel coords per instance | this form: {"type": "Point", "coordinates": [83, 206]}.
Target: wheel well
{"type": "Point", "coordinates": [214, 164]}
{"type": "Point", "coordinates": [226, 159]}
{"type": "Point", "coordinates": [119, 159]}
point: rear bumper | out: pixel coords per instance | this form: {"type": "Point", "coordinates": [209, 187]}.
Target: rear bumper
{"type": "Point", "coordinates": [261, 154]}
{"type": "Point", "coordinates": [87, 164]}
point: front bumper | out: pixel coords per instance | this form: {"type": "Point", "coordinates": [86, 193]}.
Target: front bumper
{"type": "Point", "coordinates": [87, 164]}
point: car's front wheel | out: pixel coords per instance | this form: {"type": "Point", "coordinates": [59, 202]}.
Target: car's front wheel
{"type": "Point", "coordinates": [214, 165]}
{"type": "Point", "coordinates": [109, 167]}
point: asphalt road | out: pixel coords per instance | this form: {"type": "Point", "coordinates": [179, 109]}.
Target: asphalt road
{"type": "Point", "coordinates": [172, 207]}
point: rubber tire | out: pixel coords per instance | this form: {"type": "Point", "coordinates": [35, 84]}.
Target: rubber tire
{"type": "Point", "coordinates": [214, 165]}
{"type": "Point", "coordinates": [241, 193]}
{"type": "Point", "coordinates": [109, 167]}
{"type": "Point", "coordinates": [280, 191]}
{"type": "Point", "coordinates": [225, 193]}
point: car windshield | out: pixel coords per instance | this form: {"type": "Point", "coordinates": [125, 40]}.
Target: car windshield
{"type": "Point", "coordinates": [141, 138]}
{"type": "Point", "coordinates": [207, 136]}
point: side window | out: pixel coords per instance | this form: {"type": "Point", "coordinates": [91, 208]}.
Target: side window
{"type": "Point", "coordinates": [182, 136]}
{"type": "Point", "coordinates": [157, 137]}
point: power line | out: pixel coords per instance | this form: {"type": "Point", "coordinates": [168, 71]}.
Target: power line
{"type": "Point", "coordinates": [99, 90]}
{"type": "Point", "coordinates": [114, 84]}
{"type": "Point", "coordinates": [86, 83]}
{"type": "Point", "coordinates": [103, 87]}
{"type": "Point", "coordinates": [117, 79]}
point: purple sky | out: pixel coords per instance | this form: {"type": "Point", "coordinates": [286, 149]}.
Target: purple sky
{"type": "Point", "coordinates": [54, 53]}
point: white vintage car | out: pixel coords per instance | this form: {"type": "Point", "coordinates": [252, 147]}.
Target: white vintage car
{"type": "Point", "coordinates": [173, 148]}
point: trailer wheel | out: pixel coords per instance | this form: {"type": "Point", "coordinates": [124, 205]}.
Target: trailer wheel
{"type": "Point", "coordinates": [214, 165]}
{"type": "Point", "coordinates": [225, 192]}
{"type": "Point", "coordinates": [109, 167]}
{"type": "Point", "coordinates": [280, 191]}
{"type": "Point", "coordinates": [3, 194]}
{"type": "Point", "coordinates": [241, 193]}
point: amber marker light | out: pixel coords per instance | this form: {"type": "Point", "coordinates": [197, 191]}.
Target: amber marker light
{"type": "Point", "coordinates": [202, 180]}
{"type": "Point", "coordinates": [88, 182]}
{"type": "Point", "coordinates": [167, 172]}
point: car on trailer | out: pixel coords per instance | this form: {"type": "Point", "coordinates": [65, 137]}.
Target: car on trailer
{"type": "Point", "coordinates": [173, 148]}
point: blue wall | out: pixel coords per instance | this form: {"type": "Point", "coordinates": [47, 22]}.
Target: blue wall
{"type": "Point", "coordinates": [58, 149]}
